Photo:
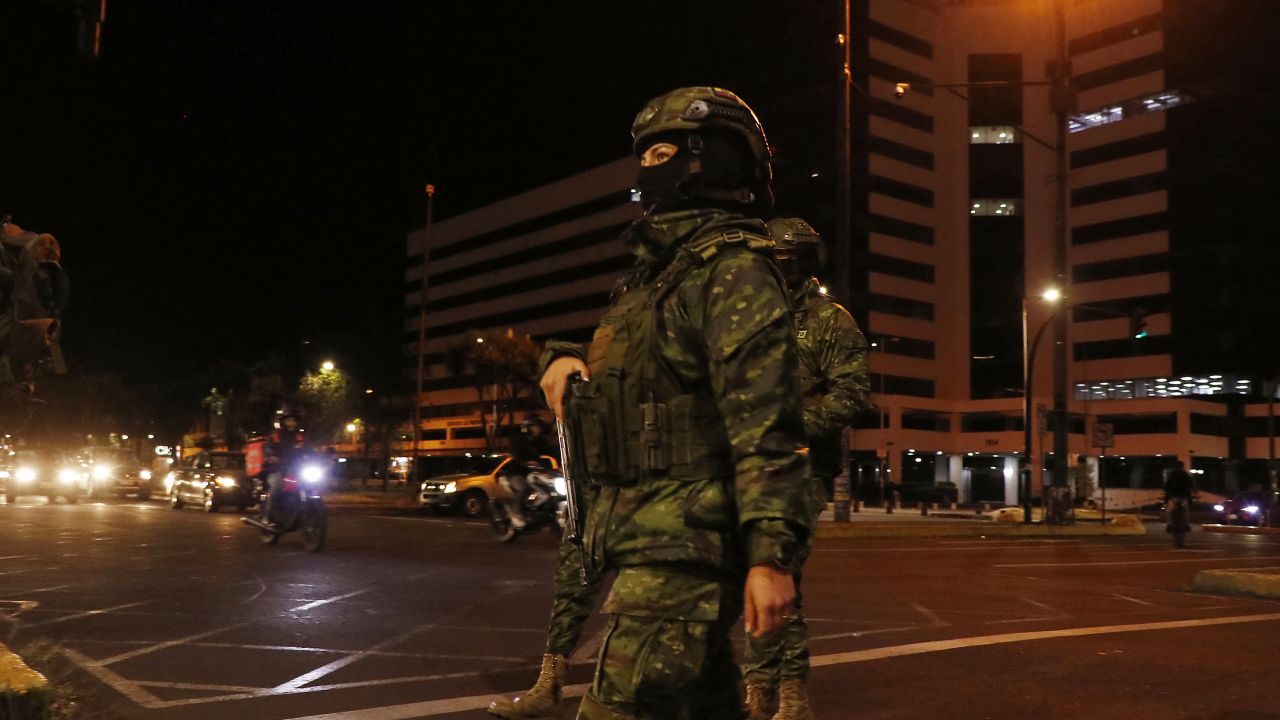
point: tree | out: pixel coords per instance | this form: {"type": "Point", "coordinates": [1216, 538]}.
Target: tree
{"type": "Point", "coordinates": [503, 368]}
{"type": "Point", "coordinates": [327, 403]}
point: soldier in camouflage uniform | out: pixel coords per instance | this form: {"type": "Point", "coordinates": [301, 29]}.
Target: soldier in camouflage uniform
{"type": "Point", "coordinates": [689, 422]}
{"type": "Point", "coordinates": [833, 380]}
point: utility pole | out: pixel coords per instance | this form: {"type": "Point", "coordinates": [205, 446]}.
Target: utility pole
{"type": "Point", "coordinates": [1062, 100]}
{"type": "Point", "coordinates": [416, 431]}
{"type": "Point", "coordinates": [844, 170]}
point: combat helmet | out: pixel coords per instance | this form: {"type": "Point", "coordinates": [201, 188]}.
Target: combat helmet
{"type": "Point", "coordinates": [797, 248]}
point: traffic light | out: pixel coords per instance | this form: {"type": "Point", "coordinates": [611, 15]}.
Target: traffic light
{"type": "Point", "coordinates": [1138, 324]}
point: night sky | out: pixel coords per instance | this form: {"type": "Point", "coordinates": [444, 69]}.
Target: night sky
{"type": "Point", "coordinates": [234, 177]}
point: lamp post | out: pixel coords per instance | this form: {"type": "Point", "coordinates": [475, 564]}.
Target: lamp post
{"type": "Point", "coordinates": [416, 430]}
{"type": "Point", "coordinates": [1029, 346]}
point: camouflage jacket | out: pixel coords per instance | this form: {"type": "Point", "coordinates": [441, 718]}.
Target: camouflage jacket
{"type": "Point", "coordinates": [833, 362]}
{"type": "Point", "coordinates": [724, 329]}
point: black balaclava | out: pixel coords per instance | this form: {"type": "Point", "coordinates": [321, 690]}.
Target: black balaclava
{"type": "Point", "coordinates": [709, 169]}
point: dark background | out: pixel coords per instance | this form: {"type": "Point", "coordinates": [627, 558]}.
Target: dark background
{"type": "Point", "coordinates": [234, 178]}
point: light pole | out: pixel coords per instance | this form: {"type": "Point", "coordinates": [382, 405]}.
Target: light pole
{"type": "Point", "coordinates": [416, 430]}
{"type": "Point", "coordinates": [1029, 346]}
{"type": "Point", "coordinates": [844, 170]}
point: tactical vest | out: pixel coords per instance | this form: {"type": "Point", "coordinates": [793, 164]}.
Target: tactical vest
{"type": "Point", "coordinates": [635, 421]}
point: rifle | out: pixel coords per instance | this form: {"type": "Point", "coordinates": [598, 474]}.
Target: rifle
{"type": "Point", "coordinates": [573, 517]}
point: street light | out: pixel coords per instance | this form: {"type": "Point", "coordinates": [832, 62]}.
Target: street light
{"type": "Point", "coordinates": [327, 366]}
{"type": "Point", "coordinates": [1029, 345]}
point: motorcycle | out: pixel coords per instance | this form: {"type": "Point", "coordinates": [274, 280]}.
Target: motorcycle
{"type": "Point", "coordinates": [544, 505]}
{"type": "Point", "coordinates": [299, 506]}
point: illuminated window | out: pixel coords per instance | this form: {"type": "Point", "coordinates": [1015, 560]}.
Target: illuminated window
{"type": "Point", "coordinates": [1004, 207]}
{"type": "Point", "coordinates": [1185, 386]}
{"type": "Point", "coordinates": [1155, 102]}
{"type": "Point", "coordinates": [993, 135]}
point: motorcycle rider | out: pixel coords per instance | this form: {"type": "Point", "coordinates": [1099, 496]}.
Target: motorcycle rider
{"type": "Point", "coordinates": [282, 446]}
{"type": "Point", "coordinates": [527, 451]}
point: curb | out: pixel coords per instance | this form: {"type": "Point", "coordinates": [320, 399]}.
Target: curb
{"type": "Point", "coordinates": [24, 693]}
{"type": "Point", "coordinates": [1241, 530]}
{"type": "Point", "coordinates": [1257, 582]}
{"type": "Point", "coordinates": [985, 529]}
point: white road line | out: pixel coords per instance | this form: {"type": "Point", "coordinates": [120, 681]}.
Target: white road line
{"type": "Point", "coordinates": [309, 677]}
{"type": "Point", "coordinates": [982, 548]}
{"type": "Point", "coordinates": [1140, 562]}
{"type": "Point", "coordinates": [166, 645]}
{"type": "Point", "coordinates": [89, 613]}
{"type": "Point", "coordinates": [984, 640]}
{"type": "Point", "coordinates": [860, 633]}
{"type": "Point", "coordinates": [16, 557]}
{"type": "Point", "coordinates": [929, 615]}
{"type": "Point", "coordinates": [432, 707]}
{"type": "Point", "coordinates": [198, 686]}
{"type": "Point", "coordinates": [336, 598]}
{"type": "Point", "coordinates": [1133, 600]}
{"type": "Point", "coordinates": [1047, 608]}
{"type": "Point", "coordinates": [124, 686]}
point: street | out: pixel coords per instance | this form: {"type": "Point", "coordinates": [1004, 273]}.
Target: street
{"type": "Point", "coordinates": [164, 614]}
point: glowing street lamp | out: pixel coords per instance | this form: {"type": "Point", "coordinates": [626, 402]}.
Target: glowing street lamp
{"type": "Point", "coordinates": [1052, 296]}
{"type": "Point", "coordinates": [328, 366]}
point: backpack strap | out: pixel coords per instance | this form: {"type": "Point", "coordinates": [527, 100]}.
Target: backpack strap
{"type": "Point", "coordinates": [696, 253]}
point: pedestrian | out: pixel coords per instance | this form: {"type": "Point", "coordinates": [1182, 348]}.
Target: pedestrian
{"type": "Point", "coordinates": [690, 420]}
{"type": "Point", "coordinates": [833, 382]}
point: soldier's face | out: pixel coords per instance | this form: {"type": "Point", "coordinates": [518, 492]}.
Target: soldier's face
{"type": "Point", "coordinates": [657, 154]}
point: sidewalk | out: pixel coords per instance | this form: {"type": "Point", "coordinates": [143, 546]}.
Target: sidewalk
{"type": "Point", "coordinates": [873, 522]}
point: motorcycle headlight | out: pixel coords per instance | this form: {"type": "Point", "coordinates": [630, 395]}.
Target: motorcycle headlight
{"type": "Point", "coordinates": [66, 476]}
{"type": "Point", "coordinates": [1219, 508]}
{"type": "Point", "coordinates": [102, 472]}
{"type": "Point", "coordinates": [451, 487]}
{"type": "Point", "coordinates": [1252, 509]}
{"type": "Point", "coordinates": [168, 482]}
{"type": "Point", "coordinates": [227, 482]}
{"type": "Point", "coordinates": [4, 474]}
{"type": "Point", "coordinates": [562, 487]}
{"type": "Point", "coordinates": [144, 474]}
{"type": "Point", "coordinates": [312, 473]}
{"type": "Point", "coordinates": [26, 474]}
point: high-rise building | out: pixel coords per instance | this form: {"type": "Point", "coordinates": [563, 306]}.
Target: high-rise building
{"type": "Point", "coordinates": [954, 203]}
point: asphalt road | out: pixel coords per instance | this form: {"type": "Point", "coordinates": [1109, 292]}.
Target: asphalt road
{"type": "Point", "coordinates": [168, 615]}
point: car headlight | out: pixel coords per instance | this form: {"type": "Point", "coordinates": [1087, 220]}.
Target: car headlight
{"type": "Point", "coordinates": [66, 476]}
{"type": "Point", "coordinates": [144, 474]}
{"type": "Point", "coordinates": [451, 487]}
{"type": "Point", "coordinates": [1219, 508]}
{"type": "Point", "coordinates": [227, 482]}
{"type": "Point", "coordinates": [562, 487]}
{"type": "Point", "coordinates": [4, 474]}
{"type": "Point", "coordinates": [102, 472]}
{"type": "Point", "coordinates": [26, 475]}
{"type": "Point", "coordinates": [1251, 509]}
{"type": "Point", "coordinates": [312, 473]}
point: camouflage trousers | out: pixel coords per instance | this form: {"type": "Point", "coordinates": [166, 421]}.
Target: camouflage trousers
{"type": "Point", "coordinates": [784, 655]}
{"type": "Point", "coordinates": [572, 602]}
{"type": "Point", "coordinates": [666, 654]}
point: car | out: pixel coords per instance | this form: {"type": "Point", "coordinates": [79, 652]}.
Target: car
{"type": "Point", "coordinates": [115, 471]}
{"type": "Point", "coordinates": [211, 480]}
{"type": "Point", "coordinates": [1246, 508]}
{"type": "Point", "coordinates": [469, 492]}
{"type": "Point", "coordinates": [46, 472]}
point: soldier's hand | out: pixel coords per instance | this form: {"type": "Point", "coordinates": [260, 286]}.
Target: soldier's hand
{"type": "Point", "coordinates": [556, 379]}
{"type": "Point", "coordinates": [767, 599]}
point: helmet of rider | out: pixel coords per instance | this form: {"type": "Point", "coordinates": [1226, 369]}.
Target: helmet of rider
{"type": "Point", "coordinates": [288, 418]}
{"type": "Point", "coordinates": [721, 155]}
{"type": "Point", "coordinates": [797, 248]}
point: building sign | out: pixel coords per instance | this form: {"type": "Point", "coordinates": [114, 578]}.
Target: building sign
{"type": "Point", "coordinates": [1104, 435]}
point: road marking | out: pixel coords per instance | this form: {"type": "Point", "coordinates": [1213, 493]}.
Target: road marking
{"type": "Point", "coordinates": [336, 598]}
{"type": "Point", "coordinates": [985, 640]}
{"type": "Point", "coordinates": [860, 633]}
{"type": "Point", "coordinates": [984, 547]}
{"type": "Point", "coordinates": [309, 677]}
{"type": "Point", "coordinates": [1133, 600]}
{"type": "Point", "coordinates": [1047, 608]}
{"type": "Point", "coordinates": [122, 685]}
{"type": "Point", "coordinates": [929, 615]}
{"type": "Point", "coordinates": [433, 707]}
{"type": "Point", "coordinates": [1140, 562]}
{"type": "Point", "coordinates": [166, 645]}
{"type": "Point", "coordinates": [88, 613]}
{"type": "Point", "coordinates": [198, 686]}
{"type": "Point", "coordinates": [16, 557]}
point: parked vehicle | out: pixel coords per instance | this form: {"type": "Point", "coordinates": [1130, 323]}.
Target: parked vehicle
{"type": "Point", "coordinates": [46, 472]}
{"type": "Point", "coordinates": [299, 505]}
{"type": "Point", "coordinates": [1246, 508]}
{"type": "Point", "coordinates": [212, 480]}
{"type": "Point", "coordinates": [115, 471]}
{"type": "Point", "coordinates": [543, 507]}
{"type": "Point", "coordinates": [469, 491]}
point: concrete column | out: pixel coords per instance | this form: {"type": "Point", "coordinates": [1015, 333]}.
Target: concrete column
{"type": "Point", "coordinates": [1011, 480]}
{"type": "Point", "coordinates": [957, 475]}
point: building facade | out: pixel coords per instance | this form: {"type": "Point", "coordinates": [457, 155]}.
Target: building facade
{"type": "Point", "coordinates": [954, 195]}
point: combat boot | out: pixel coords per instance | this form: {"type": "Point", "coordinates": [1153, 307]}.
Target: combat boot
{"type": "Point", "coordinates": [543, 701]}
{"type": "Point", "coordinates": [793, 701]}
{"type": "Point", "coordinates": [760, 701]}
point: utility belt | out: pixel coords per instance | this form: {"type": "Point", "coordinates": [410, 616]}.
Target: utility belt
{"type": "Point", "coordinates": [621, 443]}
